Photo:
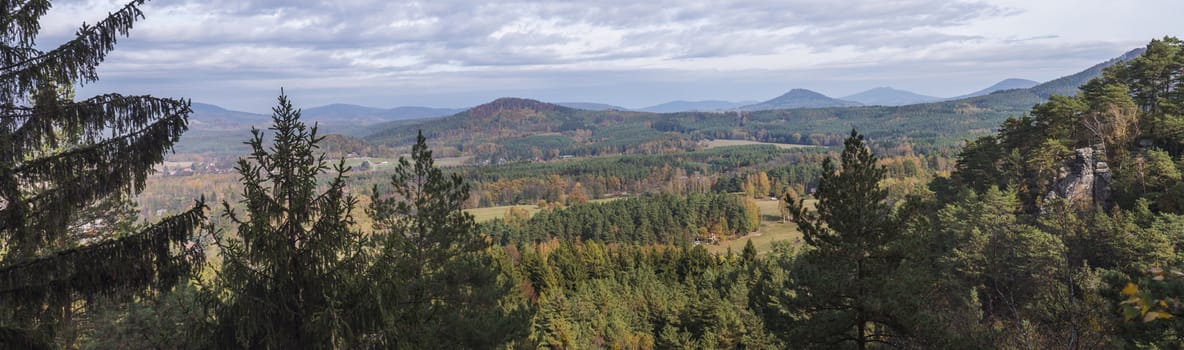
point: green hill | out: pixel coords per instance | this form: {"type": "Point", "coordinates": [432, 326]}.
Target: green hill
{"type": "Point", "coordinates": [510, 129]}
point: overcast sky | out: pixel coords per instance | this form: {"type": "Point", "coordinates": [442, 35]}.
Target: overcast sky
{"type": "Point", "coordinates": [384, 53]}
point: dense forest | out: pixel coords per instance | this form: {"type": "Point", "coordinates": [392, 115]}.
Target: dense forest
{"type": "Point", "coordinates": [1063, 228]}
{"type": "Point", "coordinates": [645, 220]}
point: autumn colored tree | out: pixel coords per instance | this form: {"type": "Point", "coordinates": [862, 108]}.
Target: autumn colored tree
{"type": "Point", "coordinates": [578, 196]}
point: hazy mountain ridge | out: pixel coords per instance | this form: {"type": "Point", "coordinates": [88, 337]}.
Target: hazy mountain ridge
{"type": "Point", "coordinates": [355, 114]}
{"type": "Point", "coordinates": [1005, 84]}
{"type": "Point", "coordinates": [888, 96]}
{"type": "Point", "coordinates": [212, 117]}
{"type": "Point", "coordinates": [592, 106]}
{"type": "Point", "coordinates": [695, 106]}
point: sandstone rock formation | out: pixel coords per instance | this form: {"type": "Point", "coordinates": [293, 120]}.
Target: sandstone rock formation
{"type": "Point", "coordinates": [1086, 182]}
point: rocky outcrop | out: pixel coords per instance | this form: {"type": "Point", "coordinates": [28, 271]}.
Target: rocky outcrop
{"type": "Point", "coordinates": [1086, 181]}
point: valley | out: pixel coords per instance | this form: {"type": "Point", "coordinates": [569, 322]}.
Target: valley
{"type": "Point", "coordinates": [591, 175]}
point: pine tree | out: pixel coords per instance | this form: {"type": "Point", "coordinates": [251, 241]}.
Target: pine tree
{"type": "Point", "coordinates": [61, 156]}
{"type": "Point", "coordinates": [291, 273]}
{"type": "Point", "coordinates": [434, 285]}
{"type": "Point", "coordinates": [841, 281]}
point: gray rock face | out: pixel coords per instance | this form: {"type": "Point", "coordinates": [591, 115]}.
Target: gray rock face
{"type": "Point", "coordinates": [1086, 182]}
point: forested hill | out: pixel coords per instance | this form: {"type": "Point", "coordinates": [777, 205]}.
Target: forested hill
{"type": "Point", "coordinates": [1006, 84]}
{"type": "Point", "coordinates": [514, 128]}
{"type": "Point", "coordinates": [1068, 85]}
{"type": "Point", "coordinates": [511, 118]}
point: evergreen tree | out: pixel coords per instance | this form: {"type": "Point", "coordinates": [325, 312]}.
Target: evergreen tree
{"type": "Point", "coordinates": [433, 282]}
{"type": "Point", "coordinates": [550, 328]}
{"type": "Point", "coordinates": [748, 255]}
{"type": "Point", "coordinates": [163, 322]}
{"type": "Point", "coordinates": [839, 285]}
{"type": "Point", "coordinates": [291, 272]}
{"type": "Point", "coordinates": [61, 156]}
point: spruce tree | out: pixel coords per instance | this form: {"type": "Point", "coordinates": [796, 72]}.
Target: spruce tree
{"type": "Point", "coordinates": [839, 284]}
{"type": "Point", "coordinates": [60, 156]}
{"type": "Point", "coordinates": [290, 275]}
{"type": "Point", "coordinates": [748, 255]}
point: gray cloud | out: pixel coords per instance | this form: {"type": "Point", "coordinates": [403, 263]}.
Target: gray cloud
{"type": "Point", "coordinates": [210, 49]}
{"type": "Point", "coordinates": [530, 33]}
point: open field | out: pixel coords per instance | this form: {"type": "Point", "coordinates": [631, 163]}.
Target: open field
{"type": "Point", "coordinates": [771, 227]}
{"type": "Point", "coordinates": [726, 143]}
{"type": "Point", "coordinates": [606, 200]}
{"type": "Point", "coordinates": [494, 213]}
{"type": "Point", "coordinates": [390, 163]}
{"type": "Point", "coordinates": [449, 162]}
{"type": "Point", "coordinates": [771, 230]}
{"type": "Point", "coordinates": [375, 163]}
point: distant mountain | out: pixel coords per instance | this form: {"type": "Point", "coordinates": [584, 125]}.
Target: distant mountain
{"type": "Point", "coordinates": [1068, 85]}
{"type": "Point", "coordinates": [886, 96]}
{"type": "Point", "coordinates": [415, 112]}
{"type": "Point", "coordinates": [340, 113]}
{"type": "Point", "coordinates": [800, 98]}
{"type": "Point", "coordinates": [515, 128]}
{"type": "Point", "coordinates": [500, 118]}
{"type": "Point", "coordinates": [510, 129]}
{"type": "Point", "coordinates": [354, 114]}
{"type": "Point", "coordinates": [1006, 84]}
{"type": "Point", "coordinates": [592, 106]}
{"type": "Point", "coordinates": [512, 108]}
{"type": "Point", "coordinates": [335, 116]}
{"type": "Point", "coordinates": [696, 106]}
{"type": "Point", "coordinates": [210, 117]}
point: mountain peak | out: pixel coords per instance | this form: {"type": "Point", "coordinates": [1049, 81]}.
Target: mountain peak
{"type": "Point", "coordinates": [496, 107]}
{"type": "Point", "coordinates": [800, 91]}
{"type": "Point", "coordinates": [800, 98]}
{"type": "Point", "coordinates": [1013, 83]}
{"type": "Point", "coordinates": [518, 103]}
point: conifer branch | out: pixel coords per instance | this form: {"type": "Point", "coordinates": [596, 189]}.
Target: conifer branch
{"type": "Point", "coordinates": [105, 114]}
{"type": "Point", "coordinates": [73, 61]}
{"type": "Point", "coordinates": [21, 21]}
{"type": "Point", "coordinates": [111, 265]}
{"type": "Point", "coordinates": [117, 164]}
